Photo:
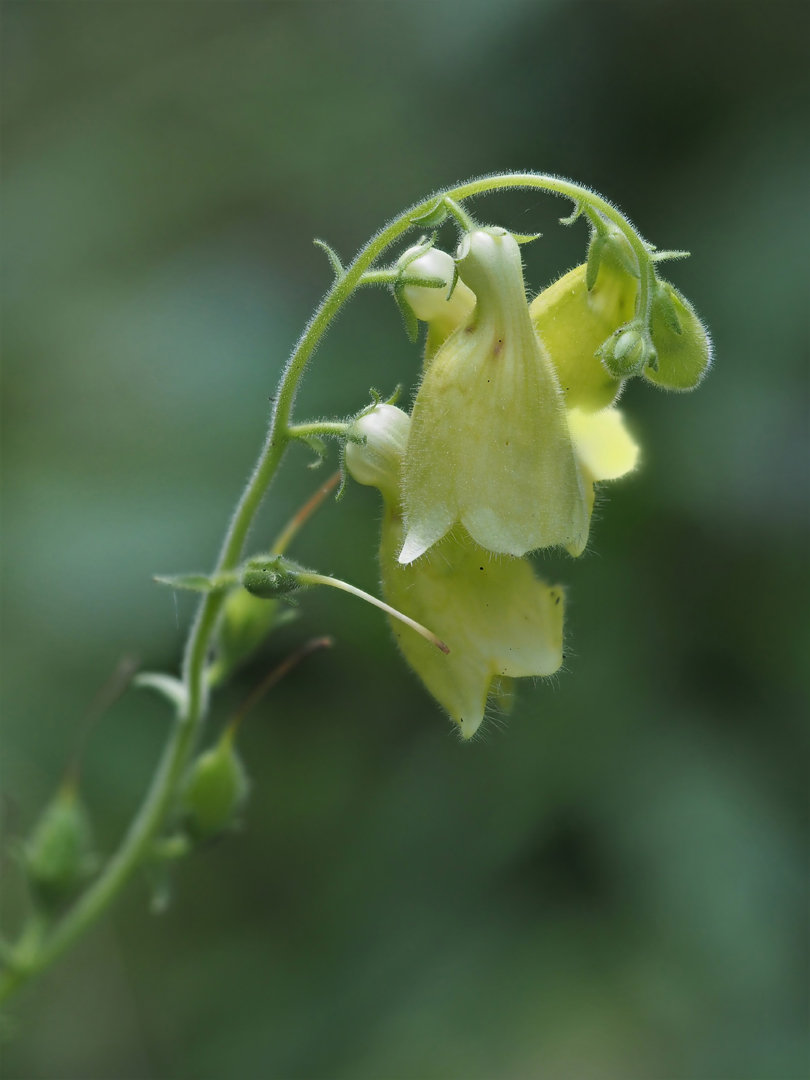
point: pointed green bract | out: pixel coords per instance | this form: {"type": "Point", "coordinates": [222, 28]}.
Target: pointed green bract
{"type": "Point", "coordinates": [489, 446]}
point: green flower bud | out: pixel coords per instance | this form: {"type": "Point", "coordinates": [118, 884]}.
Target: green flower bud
{"type": "Point", "coordinates": [215, 790]}
{"type": "Point", "coordinates": [378, 459]}
{"type": "Point", "coordinates": [442, 309]}
{"type": "Point", "coordinates": [682, 341]}
{"type": "Point", "coordinates": [489, 446]}
{"type": "Point", "coordinates": [245, 623]}
{"type": "Point", "coordinates": [58, 856]}
{"type": "Point", "coordinates": [271, 577]}
{"type": "Point", "coordinates": [628, 351]}
{"type": "Point", "coordinates": [573, 321]}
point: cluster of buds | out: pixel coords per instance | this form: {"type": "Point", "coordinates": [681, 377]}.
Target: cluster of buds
{"type": "Point", "coordinates": [512, 426]}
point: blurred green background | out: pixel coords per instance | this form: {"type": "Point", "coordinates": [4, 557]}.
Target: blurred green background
{"type": "Point", "coordinates": [611, 885]}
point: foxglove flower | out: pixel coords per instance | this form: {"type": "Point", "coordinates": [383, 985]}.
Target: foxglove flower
{"type": "Point", "coordinates": [489, 446]}
{"type": "Point", "coordinates": [497, 618]}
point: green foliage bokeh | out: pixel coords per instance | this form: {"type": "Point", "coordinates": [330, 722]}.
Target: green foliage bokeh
{"type": "Point", "coordinates": [612, 883]}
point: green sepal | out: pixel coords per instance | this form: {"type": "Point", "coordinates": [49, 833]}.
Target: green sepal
{"type": "Point", "coordinates": [333, 257]}
{"type": "Point", "coordinates": [608, 245]}
{"type": "Point", "coordinates": [170, 688]}
{"type": "Point", "coordinates": [454, 282]}
{"type": "Point", "coordinates": [665, 307]}
{"type": "Point", "coordinates": [594, 259]}
{"type": "Point", "coordinates": [201, 583]}
{"type": "Point", "coordinates": [526, 238]}
{"type": "Point", "coordinates": [433, 217]}
{"type": "Point", "coordinates": [58, 856]}
{"type": "Point", "coordinates": [407, 313]}
{"type": "Point", "coordinates": [215, 791]}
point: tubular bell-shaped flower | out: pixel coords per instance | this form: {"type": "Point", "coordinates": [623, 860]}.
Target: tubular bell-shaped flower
{"type": "Point", "coordinates": [489, 446]}
{"type": "Point", "coordinates": [573, 322]}
{"type": "Point", "coordinates": [497, 618]}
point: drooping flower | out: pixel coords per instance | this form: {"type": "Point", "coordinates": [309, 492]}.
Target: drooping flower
{"type": "Point", "coordinates": [489, 446]}
{"type": "Point", "coordinates": [497, 618]}
{"type": "Point", "coordinates": [596, 341]}
{"type": "Point", "coordinates": [573, 322]}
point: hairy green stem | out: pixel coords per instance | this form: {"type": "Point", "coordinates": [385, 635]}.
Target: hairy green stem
{"type": "Point", "coordinates": [137, 845]}
{"type": "Point", "coordinates": [335, 428]}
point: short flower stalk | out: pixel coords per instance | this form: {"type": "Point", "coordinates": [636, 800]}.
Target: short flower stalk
{"type": "Point", "coordinates": [512, 428]}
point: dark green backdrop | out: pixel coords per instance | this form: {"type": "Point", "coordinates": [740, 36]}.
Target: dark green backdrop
{"type": "Point", "coordinates": [613, 884]}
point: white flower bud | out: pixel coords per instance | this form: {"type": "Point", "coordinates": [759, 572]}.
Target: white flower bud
{"type": "Point", "coordinates": [440, 309]}
{"type": "Point", "coordinates": [377, 461]}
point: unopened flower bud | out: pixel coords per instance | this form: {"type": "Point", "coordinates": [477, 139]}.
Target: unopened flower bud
{"type": "Point", "coordinates": [271, 577]}
{"type": "Point", "coordinates": [245, 623]}
{"type": "Point", "coordinates": [442, 309]}
{"type": "Point", "coordinates": [682, 342]}
{"type": "Point", "coordinates": [489, 446]}
{"type": "Point", "coordinates": [215, 790]}
{"type": "Point", "coordinates": [628, 351]}
{"type": "Point", "coordinates": [58, 856]}
{"type": "Point", "coordinates": [377, 460]}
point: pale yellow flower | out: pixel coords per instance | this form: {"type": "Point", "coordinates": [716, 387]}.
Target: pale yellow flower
{"type": "Point", "coordinates": [489, 446]}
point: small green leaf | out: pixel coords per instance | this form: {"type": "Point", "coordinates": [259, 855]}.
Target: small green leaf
{"type": "Point", "coordinates": [333, 257]}
{"type": "Point", "coordinates": [201, 583]}
{"type": "Point", "coordinates": [572, 217]}
{"type": "Point", "coordinates": [317, 446]}
{"type": "Point", "coordinates": [664, 256]}
{"type": "Point", "coordinates": [172, 689]}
